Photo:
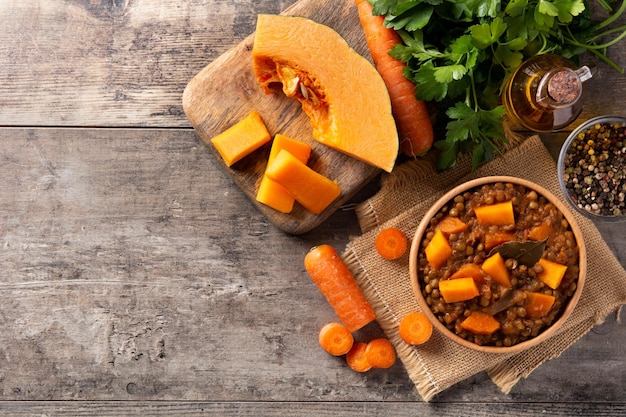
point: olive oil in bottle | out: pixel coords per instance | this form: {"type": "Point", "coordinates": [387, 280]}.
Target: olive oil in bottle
{"type": "Point", "coordinates": [545, 94]}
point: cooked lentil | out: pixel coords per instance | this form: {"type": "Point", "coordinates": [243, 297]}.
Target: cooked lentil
{"type": "Point", "coordinates": [531, 210]}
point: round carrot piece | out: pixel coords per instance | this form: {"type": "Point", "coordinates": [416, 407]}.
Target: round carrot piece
{"type": "Point", "coordinates": [415, 328]}
{"type": "Point", "coordinates": [391, 243]}
{"type": "Point", "coordinates": [380, 353]}
{"type": "Point", "coordinates": [335, 339]}
{"type": "Point", "coordinates": [356, 358]}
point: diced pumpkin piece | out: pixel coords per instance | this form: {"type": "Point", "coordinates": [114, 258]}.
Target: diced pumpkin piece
{"type": "Point", "coordinates": [497, 238]}
{"type": "Point", "coordinates": [242, 138]}
{"type": "Point", "coordinates": [538, 304]}
{"type": "Point", "coordinates": [480, 323]}
{"type": "Point", "coordinates": [438, 250]}
{"type": "Point", "coordinates": [272, 193]}
{"type": "Point", "coordinates": [343, 94]}
{"type": "Point", "coordinates": [469, 270]}
{"type": "Point", "coordinates": [311, 189]}
{"type": "Point", "coordinates": [552, 274]}
{"type": "Point", "coordinates": [450, 224]}
{"type": "Point", "coordinates": [460, 289]}
{"type": "Point", "coordinates": [540, 232]}
{"type": "Point", "coordinates": [498, 214]}
{"type": "Point", "coordinates": [494, 267]}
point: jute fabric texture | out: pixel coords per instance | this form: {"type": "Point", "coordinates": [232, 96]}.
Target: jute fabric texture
{"type": "Point", "coordinates": [404, 197]}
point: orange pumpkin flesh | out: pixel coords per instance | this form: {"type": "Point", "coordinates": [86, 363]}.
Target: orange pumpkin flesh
{"type": "Point", "coordinates": [342, 93]}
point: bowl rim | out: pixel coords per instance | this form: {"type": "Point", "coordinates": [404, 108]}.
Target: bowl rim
{"type": "Point", "coordinates": [561, 168]}
{"type": "Point", "coordinates": [414, 264]}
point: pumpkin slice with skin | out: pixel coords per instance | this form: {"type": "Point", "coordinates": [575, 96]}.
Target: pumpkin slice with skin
{"type": "Point", "coordinates": [342, 93]}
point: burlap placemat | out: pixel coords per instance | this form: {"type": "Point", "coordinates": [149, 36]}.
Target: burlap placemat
{"type": "Point", "coordinates": [404, 197]}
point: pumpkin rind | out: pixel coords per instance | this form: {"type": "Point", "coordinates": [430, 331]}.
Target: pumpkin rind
{"type": "Point", "coordinates": [341, 91]}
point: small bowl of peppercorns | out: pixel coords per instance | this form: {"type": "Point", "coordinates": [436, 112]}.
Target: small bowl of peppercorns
{"type": "Point", "coordinates": [592, 168]}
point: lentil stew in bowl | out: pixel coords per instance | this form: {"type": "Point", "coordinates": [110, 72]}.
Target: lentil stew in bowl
{"type": "Point", "coordinates": [498, 264]}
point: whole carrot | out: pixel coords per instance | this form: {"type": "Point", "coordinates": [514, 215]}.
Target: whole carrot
{"type": "Point", "coordinates": [412, 119]}
{"type": "Point", "coordinates": [336, 282]}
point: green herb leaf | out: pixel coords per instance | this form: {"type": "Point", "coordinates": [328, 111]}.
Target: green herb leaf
{"type": "Point", "coordinates": [486, 34]}
{"type": "Point", "coordinates": [526, 253]}
{"type": "Point", "coordinates": [460, 53]}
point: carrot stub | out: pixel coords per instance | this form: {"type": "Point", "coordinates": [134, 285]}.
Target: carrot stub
{"type": "Point", "coordinates": [338, 285]}
{"type": "Point", "coordinates": [380, 353]}
{"type": "Point", "coordinates": [356, 359]}
{"type": "Point", "coordinates": [411, 115]}
{"type": "Point", "coordinates": [335, 339]}
{"type": "Point", "coordinates": [391, 243]}
{"type": "Point", "coordinates": [415, 328]}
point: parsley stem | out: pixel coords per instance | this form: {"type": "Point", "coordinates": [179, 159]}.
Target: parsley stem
{"type": "Point", "coordinates": [608, 32]}
{"type": "Point", "coordinates": [613, 17]}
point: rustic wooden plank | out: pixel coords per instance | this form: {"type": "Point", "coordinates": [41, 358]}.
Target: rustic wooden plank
{"type": "Point", "coordinates": [133, 269]}
{"type": "Point", "coordinates": [112, 63]}
{"type": "Point", "coordinates": [310, 408]}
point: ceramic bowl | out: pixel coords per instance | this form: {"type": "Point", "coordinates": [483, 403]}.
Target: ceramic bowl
{"type": "Point", "coordinates": [592, 168]}
{"type": "Point", "coordinates": [417, 278]}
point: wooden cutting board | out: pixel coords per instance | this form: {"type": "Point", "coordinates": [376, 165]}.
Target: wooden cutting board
{"type": "Point", "coordinates": [226, 91]}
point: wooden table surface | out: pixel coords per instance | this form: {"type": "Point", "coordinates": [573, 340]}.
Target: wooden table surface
{"type": "Point", "coordinates": [137, 279]}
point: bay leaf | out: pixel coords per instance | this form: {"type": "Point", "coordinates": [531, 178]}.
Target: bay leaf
{"type": "Point", "coordinates": [527, 252]}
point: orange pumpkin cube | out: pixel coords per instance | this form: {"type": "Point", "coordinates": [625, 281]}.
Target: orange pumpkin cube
{"type": "Point", "coordinates": [438, 250]}
{"type": "Point", "coordinates": [272, 193]}
{"type": "Point", "coordinates": [498, 214]}
{"type": "Point", "coordinates": [538, 304]}
{"type": "Point", "coordinates": [241, 139]}
{"type": "Point", "coordinates": [311, 189]}
{"type": "Point", "coordinates": [480, 323]}
{"type": "Point", "coordinates": [494, 266]}
{"type": "Point", "coordinates": [455, 290]}
{"type": "Point", "coordinates": [469, 270]}
{"type": "Point", "coordinates": [552, 274]}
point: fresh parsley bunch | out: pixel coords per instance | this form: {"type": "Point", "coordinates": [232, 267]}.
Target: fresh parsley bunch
{"type": "Point", "coordinates": [460, 53]}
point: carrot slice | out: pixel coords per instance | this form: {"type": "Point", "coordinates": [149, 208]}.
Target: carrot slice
{"type": "Point", "coordinates": [336, 282]}
{"type": "Point", "coordinates": [335, 339]}
{"type": "Point", "coordinates": [391, 243]}
{"type": "Point", "coordinates": [356, 359]}
{"type": "Point", "coordinates": [380, 353]}
{"type": "Point", "coordinates": [415, 328]}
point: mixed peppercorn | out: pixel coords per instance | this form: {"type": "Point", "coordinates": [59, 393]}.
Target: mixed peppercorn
{"type": "Point", "coordinates": [595, 169]}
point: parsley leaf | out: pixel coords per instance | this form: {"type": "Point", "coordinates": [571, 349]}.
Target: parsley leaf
{"type": "Point", "coordinates": [459, 53]}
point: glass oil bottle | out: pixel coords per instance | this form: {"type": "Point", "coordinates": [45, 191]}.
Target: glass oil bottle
{"type": "Point", "coordinates": [545, 94]}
